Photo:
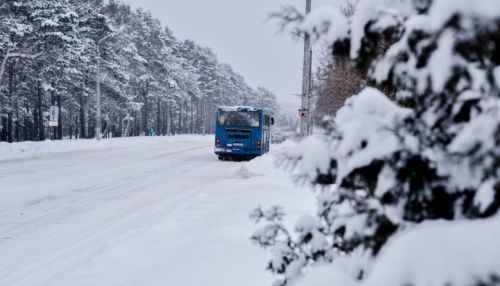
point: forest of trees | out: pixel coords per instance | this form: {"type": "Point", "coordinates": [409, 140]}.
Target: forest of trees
{"type": "Point", "coordinates": [151, 82]}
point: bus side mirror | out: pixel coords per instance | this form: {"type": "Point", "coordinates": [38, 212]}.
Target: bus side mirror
{"type": "Point", "coordinates": [272, 120]}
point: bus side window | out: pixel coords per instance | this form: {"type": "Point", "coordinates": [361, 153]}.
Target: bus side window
{"type": "Point", "coordinates": [266, 120]}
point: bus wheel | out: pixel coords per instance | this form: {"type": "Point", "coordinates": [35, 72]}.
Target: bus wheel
{"type": "Point", "coordinates": [221, 158]}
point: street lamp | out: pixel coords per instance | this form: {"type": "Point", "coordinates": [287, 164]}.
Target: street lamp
{"type": "Point", "coordinates": [98, 125]}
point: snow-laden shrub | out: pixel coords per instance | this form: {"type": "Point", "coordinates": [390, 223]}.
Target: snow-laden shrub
{"type": "Point", "coordinates": [432, 153]}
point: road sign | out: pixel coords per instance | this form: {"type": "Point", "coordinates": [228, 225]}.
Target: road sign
{"type": "Point", "coordinates": [302, 112]}
{"type": "Point", "coordinates": [54, 116]}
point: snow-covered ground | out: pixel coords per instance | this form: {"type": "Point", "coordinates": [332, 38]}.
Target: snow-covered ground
{"type": "Point", "coordinates": [137, 211]}
{"type": "Point", "coordinates": [29, 150]}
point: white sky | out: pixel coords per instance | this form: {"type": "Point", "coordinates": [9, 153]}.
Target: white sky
{"type": "Point", "coordinates": [238, 32]}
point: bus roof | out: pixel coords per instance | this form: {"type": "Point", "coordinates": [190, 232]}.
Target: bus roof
{"type": "Point", "coordinates": [239, 108]}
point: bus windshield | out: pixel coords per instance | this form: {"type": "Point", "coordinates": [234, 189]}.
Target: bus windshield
{"type": "Point", "coordinates": [239, 119]}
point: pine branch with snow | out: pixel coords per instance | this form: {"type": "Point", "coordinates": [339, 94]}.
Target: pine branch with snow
{"type": "Point", "coordinates": [431, 153]}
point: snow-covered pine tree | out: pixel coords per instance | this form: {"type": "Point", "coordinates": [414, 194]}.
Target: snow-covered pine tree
{"type": "Point", "coordinates": [266, 99]}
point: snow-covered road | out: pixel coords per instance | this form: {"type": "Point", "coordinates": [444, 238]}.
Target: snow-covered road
{"type": "Point", "coordinates": [162, 212]}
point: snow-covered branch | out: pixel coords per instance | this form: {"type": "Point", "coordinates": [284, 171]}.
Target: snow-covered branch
{"type": "Point", "coordinates": [10, 54]}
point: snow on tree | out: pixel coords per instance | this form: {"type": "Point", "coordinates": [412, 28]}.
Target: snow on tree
{"type": "Point", "coordinates": [151, 83]}
{"type": "Point", "coordinates": [432, 153]}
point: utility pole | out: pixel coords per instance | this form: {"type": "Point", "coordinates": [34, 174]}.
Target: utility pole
{"type": "Point", "coordinates": [305, 110]}
{"type": "Point", "coordinates": [98, 117]}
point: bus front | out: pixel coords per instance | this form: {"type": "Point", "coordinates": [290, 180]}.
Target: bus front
{"type": "Point", "coordinates": [238, 132]}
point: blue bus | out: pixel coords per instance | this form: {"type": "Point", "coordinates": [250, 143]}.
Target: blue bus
{"type": "Point", "coordinates": [242, 132]}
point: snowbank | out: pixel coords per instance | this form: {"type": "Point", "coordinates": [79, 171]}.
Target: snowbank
{"type": "Point", "coordinates": [441, 253]}
{"type": "Point", "coordinates": [325, 275]}
{"type": "Point", "coordinates": [28, 150]}
{"type": "Point", "coordinates": [435, 253]}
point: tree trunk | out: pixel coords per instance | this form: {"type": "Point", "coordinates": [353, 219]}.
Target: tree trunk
{"type": "Point", "coordinates": [186, 117]}
{"type": "Point", "coordinates": [166, 123]}
{"type": "Point", "coordinates": [59, 119]}
{"type": "Point", "coordinates": [192, 115]}
{"type": "Point", "coordinates": [35, 115]}
{"type": "Point", "coordinates": [70, 123]}
{"type": "Point", "coordinates": [83, 118]}
{"type": "Point", "coordinates": [145, 116]}
{"type": "Point", "coordinates": [158, 116]}
{"type": "Point", "coordinates": [3, 129]}
{"type": "Point", "coordinates": [137, 126]}
{"type": "Point", "coordinates": [17, 133]}
{"type": "Point", "coordinates": [77, 123]}
{"type": "Point", "coordinates": [41, 128]}
{"type": "Point", "coordinates": [53, 103]}
{"type": "Point", "coordinates": [28, 127]}
{"type": "Point", "coordinates": [179, 129]}
{"type": "Point", "coordinates": [199, 116]}
{"type": "Point", "coordinates": [163, 120]}
{"type": "Point", "coordinates": [10, 114]}
{"type": "Point", "coordinates": [203, 115]}
{"type": "Point", "coordinates": [169, 123]}
{"type": "Point", "coordinates": [171, 115]}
